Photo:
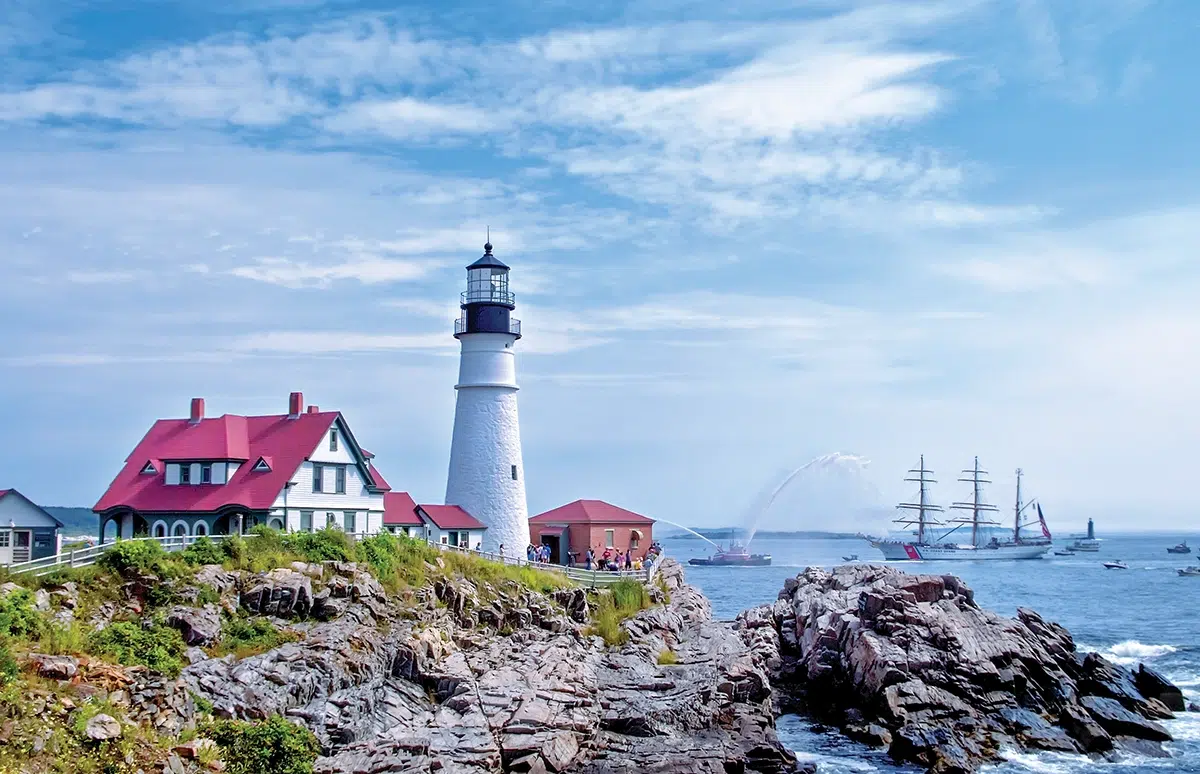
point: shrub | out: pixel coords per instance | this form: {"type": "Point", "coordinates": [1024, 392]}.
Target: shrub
{"type": "Point", "coordinates": [667, 658]}
{"type": "Point", "coordinates": [143, 556]}
{"type": "Point", "coordinates": [18, 618]}
{"type": "Point", "coordinates": [203, 551]}
{"type": "Point", "coordinates": [8, 665]}
{"type": "Point", "coordinates": [247, 637]}
{"type": "Point", "coordinates": [273, 746]}
{"type": "Point", "coordinates": [158, 647]}
{"type": "Point", "coordinates": [326, 545]}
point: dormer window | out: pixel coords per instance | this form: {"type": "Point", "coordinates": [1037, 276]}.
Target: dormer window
{"type": "Point", "coordinates": [149, 468]}
{"type": "Point", "coordinates": [185, 474]}
{"type": "Point", "coordinates": [261, 466]}
{"type": "Point", "coordinates": [206, 473]}
{"type": "Point", "coordinates": [333, 440]}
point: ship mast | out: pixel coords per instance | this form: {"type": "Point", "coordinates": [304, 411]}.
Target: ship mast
{"type": "Point", "coordinates": [1017, 512]}
{"type": "Point", "coordinates": [922, 506]}
{"type": "Point", "coordinates": [977, 506]}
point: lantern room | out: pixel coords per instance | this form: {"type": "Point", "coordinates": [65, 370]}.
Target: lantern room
{"type": "Point", "coordinates": [487, 301]}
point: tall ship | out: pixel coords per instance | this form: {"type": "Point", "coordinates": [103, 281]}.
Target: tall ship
{"type": "Point", "coordinates": [972, 536]}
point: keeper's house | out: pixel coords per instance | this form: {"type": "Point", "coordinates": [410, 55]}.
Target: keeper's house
{"type": "Point", "coordinates": [299, 471]}
{"type": "Point", "coordinates": [26, 531]}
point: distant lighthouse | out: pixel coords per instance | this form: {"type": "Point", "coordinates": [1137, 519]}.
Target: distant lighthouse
{"type": "Point", "coordinates": [487, 476]}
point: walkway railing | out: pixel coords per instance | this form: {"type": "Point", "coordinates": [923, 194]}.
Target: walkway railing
{"type": "Point", "coordinates": [84, 557]}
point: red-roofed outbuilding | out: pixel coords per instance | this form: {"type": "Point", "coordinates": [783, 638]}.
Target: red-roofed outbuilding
{"type": "Point", "coordinates": [298, 471]}
{"type": "Point", "coordinates": [595, 524]}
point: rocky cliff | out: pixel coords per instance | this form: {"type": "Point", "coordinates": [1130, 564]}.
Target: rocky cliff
{"type": "Point", "coordinates": [473, 678]}
{"type": "Point", "coordinates": [910, 662]}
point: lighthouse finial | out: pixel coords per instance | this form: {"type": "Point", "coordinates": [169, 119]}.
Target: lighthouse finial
{"type": "Point", "coordinates": [487, 246]}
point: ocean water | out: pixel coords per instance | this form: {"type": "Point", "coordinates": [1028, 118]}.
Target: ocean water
{"type": "Point", "coordinates": [1148, 613]}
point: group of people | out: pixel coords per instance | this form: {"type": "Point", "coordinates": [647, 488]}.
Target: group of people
{"type": "Point", "coordinates": [540, 554]}
{"type": "Point", "coordinates": [611, 559]}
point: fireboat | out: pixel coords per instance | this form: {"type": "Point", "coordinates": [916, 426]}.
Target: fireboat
{"type": "Point", "coordinates": [735, 556]}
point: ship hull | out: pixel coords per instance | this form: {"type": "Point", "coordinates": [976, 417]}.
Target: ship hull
{"type": "Point", "coordinates": [754, 561]}
{"type": "Point", "coordinates": [896, 552]}
{"type": "Point", "coordinates": [981, 553]}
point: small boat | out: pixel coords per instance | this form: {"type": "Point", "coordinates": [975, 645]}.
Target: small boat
{"type": "Point", "coordinates": [1066, 552]}
{"type": "Point", "coordinates": [1191, 571]}
{"type": "Point", "coordinates": [735, 556]}
{"type": "Point", "coordinates": [1116, 565]}
{"type": "Point", "coordinates": [850, 558]}
{"type": "Point", "coordinates": [1182, 548]}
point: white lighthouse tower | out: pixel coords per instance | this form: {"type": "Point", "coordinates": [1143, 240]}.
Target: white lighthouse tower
{"type": "Point", "coordinates": [487, 476]}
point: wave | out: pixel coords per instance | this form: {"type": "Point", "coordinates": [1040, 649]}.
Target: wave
{"type": "Point", "coordinates": [1131, 652]}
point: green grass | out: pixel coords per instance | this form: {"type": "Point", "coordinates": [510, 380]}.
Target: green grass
{"type": "Point", "coordinates": [244, 637]}
{"type": "Point", "coordinates": [667, 658]}
{"type": "Point", "coordinates": [623, 600]}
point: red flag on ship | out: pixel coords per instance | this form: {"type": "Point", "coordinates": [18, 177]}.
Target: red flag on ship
{"type": "Point", "coordinates": [1042, 521]}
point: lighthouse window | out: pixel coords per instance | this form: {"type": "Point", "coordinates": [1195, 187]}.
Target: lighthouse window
{"type": "Point", "coordinates": [514, 472]}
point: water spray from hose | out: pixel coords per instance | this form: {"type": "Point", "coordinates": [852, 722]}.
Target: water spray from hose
{"type": "Point", "coordinates": [763, 504]}
{"type": "Point", "coordinates": [694, 532]}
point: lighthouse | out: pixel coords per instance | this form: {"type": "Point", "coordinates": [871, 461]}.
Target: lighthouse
{"type": "Point", "coordinates": [487, 476]}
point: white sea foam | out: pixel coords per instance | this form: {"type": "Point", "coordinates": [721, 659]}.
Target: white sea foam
{"type": "Point", "coordinates": [1130, 652]}
{"type": "Point", "coordinates": [1044, 763]}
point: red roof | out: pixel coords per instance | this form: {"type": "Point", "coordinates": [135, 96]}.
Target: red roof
{"type": "Point", "coordinates": [451, 517]}
{"type": "Point", "coordinates": [4, 492]}
{"type": "Point", "coordinates": [399, 509]}
{"type": "Point", "coordinates": [285, 441]}
{"type": "Point", "coordinates": [589, 512]}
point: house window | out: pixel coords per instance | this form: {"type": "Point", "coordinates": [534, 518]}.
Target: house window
{"type": "Point", "coordinates": [5, 538]}
{"type": "Point", "coordinates": [149, 468]}
{"type": "Point", "coordinates": [348, 521]}
{"type": "Point", "coordinates": [185, 474]}
{"type": "Point", "coordinates": [514, 472]}
{"type": "Point", "coordinates": [318, 478]}
{"type": "Point", "coordinates": [333, 440]}
{"type": "Point", "coordinates": [261, 466]}
{"type": "Point", "coordinates": [609, 538]}
{"type": "Point", "coordinates": [634, 540]}
{"type": "Point", "coordinates": [340, 485]}
{"type": "Point", "coordinates": [444, 541]}
{"type": "Point", "coordinates": [330, 520]}
{"type": "Point", "coordinates": [306, 521]}
{"type": "Point", "coordinates": [206, 473]}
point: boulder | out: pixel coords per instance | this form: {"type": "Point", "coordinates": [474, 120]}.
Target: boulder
{"type": "Point", "coordinates": [282, 592]}
{"type": "Point", "coordinates": [102, 728]}
{"type": "Point", "coordinates": [197, 626]}
{"type": "Point", "coordinates": [1154, 686]}
{"type": "Point", "coordinates": [1118, 721]}
{"type": "Point", "coordinates": [54, 667]}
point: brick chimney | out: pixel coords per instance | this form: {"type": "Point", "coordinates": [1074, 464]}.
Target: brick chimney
{"type": "Point", "coordinates": [295, 404]}
{"type": "Point", "coordinates": [197, 411]}
{"type": "Point", "coordinates": [314, 409]}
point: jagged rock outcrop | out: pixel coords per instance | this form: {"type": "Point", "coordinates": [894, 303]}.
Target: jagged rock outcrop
{"type": "Point", "coordinates": [482, 679]}
{"type": "Point", "coordinates": [912, 663]}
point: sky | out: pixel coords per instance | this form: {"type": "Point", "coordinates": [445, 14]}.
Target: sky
{"type": "Point", "coordinates": [742, 235]}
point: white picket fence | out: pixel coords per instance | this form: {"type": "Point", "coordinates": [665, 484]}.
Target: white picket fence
{"type": "Point", "coordinates": [87, 556]}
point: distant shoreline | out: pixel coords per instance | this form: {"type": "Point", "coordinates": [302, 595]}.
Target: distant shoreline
{"type": "Point", "coordinates": [715, 534]}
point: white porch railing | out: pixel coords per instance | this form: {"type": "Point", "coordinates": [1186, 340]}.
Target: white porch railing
{"type": "Point", "coordinates": [84, 557]}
